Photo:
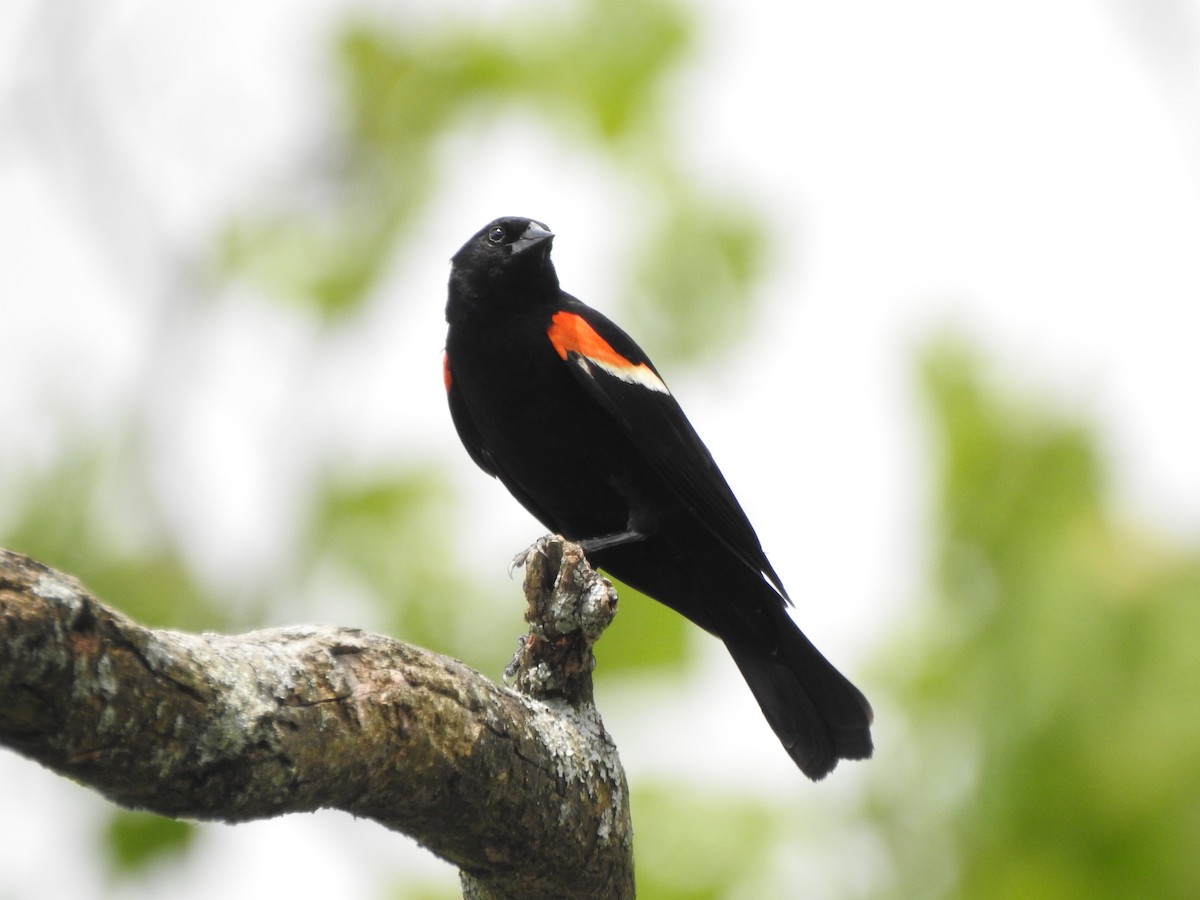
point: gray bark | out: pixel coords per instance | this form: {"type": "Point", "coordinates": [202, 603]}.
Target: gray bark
{"type": "Point", "coordinates": [521, 789]}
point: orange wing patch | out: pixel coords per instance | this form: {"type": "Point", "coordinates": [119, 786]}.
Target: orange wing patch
{"type": "Point", "coordinates": [570, 333]}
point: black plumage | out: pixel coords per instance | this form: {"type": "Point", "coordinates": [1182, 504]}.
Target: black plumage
{"type": "Point", "coordinates": [563, 407]}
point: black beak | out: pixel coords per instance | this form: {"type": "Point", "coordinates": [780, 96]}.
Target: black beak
{"type": "Point", "coordinates": [534, 235]}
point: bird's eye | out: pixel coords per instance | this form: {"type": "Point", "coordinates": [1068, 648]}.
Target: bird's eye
{"type": "Point", "coordinates": [496, 235]}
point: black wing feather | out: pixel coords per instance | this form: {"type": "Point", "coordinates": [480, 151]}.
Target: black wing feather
{"type": "Point", "coordinates": [468, 431]}
{"type": "Point", "coordinates": [668, 442]}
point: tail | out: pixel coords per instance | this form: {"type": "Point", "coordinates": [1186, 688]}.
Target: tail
{"type": "Point", "coordinates": [818, 715]}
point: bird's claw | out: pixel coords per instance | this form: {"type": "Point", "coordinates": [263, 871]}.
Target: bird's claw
{"type": "Point", "coordinates": [522, 559]}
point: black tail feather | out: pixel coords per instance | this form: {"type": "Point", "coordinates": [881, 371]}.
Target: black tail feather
{"type": "Point", "coordinates": [818, 715]}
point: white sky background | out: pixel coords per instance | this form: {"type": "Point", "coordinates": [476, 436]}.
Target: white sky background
{"type": "Point", "coordinates": [1024, 171]}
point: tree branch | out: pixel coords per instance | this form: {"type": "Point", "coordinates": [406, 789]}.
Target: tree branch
{"type": "Point", "coordinates": [523, 792]}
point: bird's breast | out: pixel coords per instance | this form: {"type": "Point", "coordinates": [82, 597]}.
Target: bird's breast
{"type": "Point", "coordinates": [555, 448]}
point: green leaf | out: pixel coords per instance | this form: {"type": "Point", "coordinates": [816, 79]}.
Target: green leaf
{"type": "Point", "coordinates": [136, 840]}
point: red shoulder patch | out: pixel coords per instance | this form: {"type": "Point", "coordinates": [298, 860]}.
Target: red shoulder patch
{"type": "Point", "coordinates": [447, 378]}
{"type": "Point", "coordinates": [571, 333]}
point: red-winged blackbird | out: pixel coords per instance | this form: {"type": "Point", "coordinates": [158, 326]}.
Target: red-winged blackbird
{"type": "Point", "coordinates": [565, 409]}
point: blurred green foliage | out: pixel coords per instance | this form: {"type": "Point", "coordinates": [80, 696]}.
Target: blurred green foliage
{"type": "Point", "coordinates": [712, 254]}
{"type": "Point", "coordinates": [91, 513]}
{"type": "Point", "coordinates": [392, 537]}
{"type": "Point", "coordinates": [135, 840]}
{"type": "Point", "coordinates": [1052, 686]}
{"type": "Point", "coordinates": [693, 845]}
{"type": "Point", "coordinates": [644, 636]}
{"type": "Point", "coordinates": [597, 73]}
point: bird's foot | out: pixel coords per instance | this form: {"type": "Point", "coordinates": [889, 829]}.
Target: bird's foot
{"type": "Point", "coordinates": [537, 548]}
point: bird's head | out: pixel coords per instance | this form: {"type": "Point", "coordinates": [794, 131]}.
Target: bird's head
{"type": "Point", "coordinates": [508, 256]}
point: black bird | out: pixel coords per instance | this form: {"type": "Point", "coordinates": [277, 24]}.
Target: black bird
{"type": "Point", "coordinates": [564, 408]}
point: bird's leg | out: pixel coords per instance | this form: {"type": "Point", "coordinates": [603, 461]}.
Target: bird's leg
{"type": "Point", "coordinates": [640, 525]}
{"type": "Point", "coordinates": [588, 545]}
{"type": "Point", "coordinates": [591, 545]}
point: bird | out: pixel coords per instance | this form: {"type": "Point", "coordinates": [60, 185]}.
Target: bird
{"type": "Point", "coordinates": [563, 407]}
